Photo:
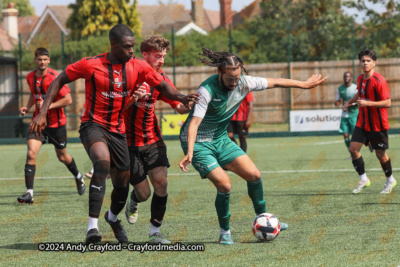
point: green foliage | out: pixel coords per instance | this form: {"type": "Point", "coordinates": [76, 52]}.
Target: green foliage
{"type": "Point", "coordinates": [380, 32]}
{"type": "Point", "coordinates": [317, 32]}
{"type": "Point", "coordinates": [188, 47]}
{"type": "Point", "coordinates": [94, 17]}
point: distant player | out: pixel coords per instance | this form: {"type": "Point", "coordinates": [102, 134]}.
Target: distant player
{"type": "Point", "coordinates": [349, 118]}
{"type": "Point", "coordinates": [373, 99]}
{"type": "Point", "coordinates": [110, 83]}
{"type": "Point", "coordinates": [204, 138]}
{"type": "Point", "coordinates": [147, 150]}
{"type": "Point", "coordinates": [240, 122]}
{"type": "Point", "coordinates": [39, 81]}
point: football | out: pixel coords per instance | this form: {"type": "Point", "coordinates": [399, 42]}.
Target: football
{"type": "Point", "coordinates": [266, 227]}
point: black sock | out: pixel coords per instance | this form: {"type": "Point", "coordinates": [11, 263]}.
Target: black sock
{"type": "Point", "coordinates": [387, 168]}
{"type": "Point", "coordinates": [118, 199]}
{"type": "Point", "coordinates": [359, 165]}
{"type": "Point", "coordinates": [158, 208]}
{"type": "Point", "coordinates": [72, 168]}
{"type": "Point", "coordinates": [243, 144]}
{"type": "Point", "coordinates": [98, 187]}
{"type": "Point", "coordinates": [29, 175]}
{"type": "Point", "coordinates": [134, 196]}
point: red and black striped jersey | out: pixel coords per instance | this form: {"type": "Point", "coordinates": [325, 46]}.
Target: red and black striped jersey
{"type": "Point", "coordinates": [141, 122]}
{"type": "Point", "coordinates": [109, 86]}
{"type": "Point", "coordinates": [38, 86]}
{"type": "Point", "coordinates": [374, 89]}
{"type": "Point", "coordinates": [242, 113]}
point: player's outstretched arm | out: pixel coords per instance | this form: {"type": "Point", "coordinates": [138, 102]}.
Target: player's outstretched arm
{"type": "Point", "coordinates": [311, 82]}
{"type": "Point", "coordinates": [171, 93]}
{"type": "Point", "coordinates": [192, 134]}
{"type": "Point", "coordinates": [39, 123]}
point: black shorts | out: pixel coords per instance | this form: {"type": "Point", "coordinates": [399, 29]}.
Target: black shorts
{"type": "Point", "coordinates": [91, 133]}
{"type": "Point", "coordinates": [238, 127]}
{"type": "Point", "coordinates": [146, 158]}
{"type": "Point", "coordinates": [56, 136]}
{"type": "Point", "coordinates": [378, 140]}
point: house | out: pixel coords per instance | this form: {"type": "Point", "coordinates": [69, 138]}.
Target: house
{"type": "Point", "coordinates": [47, 30]}
{"type": "Point", "coordinates": [26, 25]}
{"type": "Point", "coordinates": [161, 18]}
{"type": "Point", "coordinates": [247, 13]}
{"type": "Point", "coordinates": [13, 25]}
{"type": "Point", "coordinates": [227, 16]}
{"type": "Point", "coordinates": [155, 19]}
{"type": "Point", "coordinates": [9, 30]}
{"type": "Point", "coordinates": [50, 26]}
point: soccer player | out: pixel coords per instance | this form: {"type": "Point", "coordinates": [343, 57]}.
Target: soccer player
{"type": "Point", "coordinates": [349, 118]}
{"type": "Point", "coordinates": [240, 121]}
{"type": "Point", "coordinates": [372, 99]}
{"type": "Point", "coordinates": [204, 137]}
{"type": "Point", "coordinates": [110, 80]}
{"type": "Point", "coordinates": [147, 150]}
{"type": "Point", "coordinates": [39, 81]}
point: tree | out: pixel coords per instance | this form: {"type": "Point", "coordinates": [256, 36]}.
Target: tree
{"type": "Point", "coordinates": [380, 31]}
{"type": "Point", "coordinates": [318, 31]}
{"type": "Point", "coordinates": [94, 17]}
{"type": "Point", "coordinates": [188, 46]}
{"type": "Point", "coordinates": [23, 6]}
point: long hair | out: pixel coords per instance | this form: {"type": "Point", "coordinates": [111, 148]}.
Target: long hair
{"type": "Point", "coordinates": [221, 60]}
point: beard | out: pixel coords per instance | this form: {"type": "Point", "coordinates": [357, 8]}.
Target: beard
{"type": "Point", "coordinates": [224, 86]}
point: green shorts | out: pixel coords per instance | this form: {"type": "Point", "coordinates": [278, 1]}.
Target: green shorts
{"type": "Point", "coordinates": [209, 155]}
{"type": "Point", "coordinates": [347, 125]}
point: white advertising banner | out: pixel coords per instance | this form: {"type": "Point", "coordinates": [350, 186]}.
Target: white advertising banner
{"type": "Point", "coordinates": [315, 120]}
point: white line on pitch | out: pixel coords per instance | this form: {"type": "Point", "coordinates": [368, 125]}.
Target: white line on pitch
{"type": "Point", "coordinates": [195, 173]}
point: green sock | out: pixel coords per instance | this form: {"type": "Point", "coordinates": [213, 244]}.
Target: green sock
{"type": "Point", "coordinates": [256, 193]}
{"type": "Point", "coordinates": [222, 206]}
{"type": "Point", "coordinates": [347, 142]}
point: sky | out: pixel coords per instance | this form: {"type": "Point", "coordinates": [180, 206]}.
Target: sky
{"type": "Point", "coordinates": [237, 5]}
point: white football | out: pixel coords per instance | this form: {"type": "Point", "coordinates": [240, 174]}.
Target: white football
{"type": "Point", "coordinates": [266, 227]}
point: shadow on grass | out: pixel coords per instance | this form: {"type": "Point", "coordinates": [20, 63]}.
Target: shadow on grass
{"type": "Point", "coordinates": [256, 242]}
{"type": "Point", "coordinates": [7, 196]}
{"type": "Point", "coordinates": [312, 194]}
{"type": "Point", "coordinates": [21, 246]}
{"type": "Point", "coordinates": [383, 203]}
{"type": "Point", "coordinates": [58, 193]}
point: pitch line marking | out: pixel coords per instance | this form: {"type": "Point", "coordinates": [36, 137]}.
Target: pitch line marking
{"type": "Point", "coordinates": [195, 173]}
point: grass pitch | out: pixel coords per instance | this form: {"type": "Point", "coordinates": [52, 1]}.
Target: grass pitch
{"type": "Point", "coordinates": [307, 184]}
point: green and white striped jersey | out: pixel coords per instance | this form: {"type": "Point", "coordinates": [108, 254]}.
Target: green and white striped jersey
{"type": "Point", "coordinates": [347, 93]}
{"type": "Point", "coordinates": [217, 105]}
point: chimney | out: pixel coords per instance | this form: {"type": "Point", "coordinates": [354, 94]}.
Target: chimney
{"type": "Point", "coordinates": [225, 13]}
{"type": "Point", "coordinates": [11, 20]}
{"type": "Point", "coordinates": [198, 12]}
